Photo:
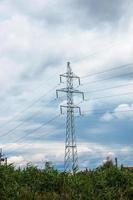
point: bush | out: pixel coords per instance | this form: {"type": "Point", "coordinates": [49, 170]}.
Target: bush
{"type": "Point", "coordinates": [31, 183]}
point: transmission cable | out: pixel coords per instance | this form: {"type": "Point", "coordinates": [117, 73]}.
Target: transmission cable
{"type": "Point", "coordinates": [95, 81]}
{"type": "Point", "coordinates": [111, 96]}
{"type": "Point", "coordinates": [29, 106]}
{"type": "Point", "coordinates": [35, 130]}
{"type": "Point", "coordinates": [101, 111]}
{"type": "Point", "coordinates": [19, 125]}
{"type": "Point", "coordinates": [112, 69]}
{"type": "Point", "coordinates": [104, 89]}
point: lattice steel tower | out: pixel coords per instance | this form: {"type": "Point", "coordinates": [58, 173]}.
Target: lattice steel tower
{"type": "Point", "coordinates": [71, 157]}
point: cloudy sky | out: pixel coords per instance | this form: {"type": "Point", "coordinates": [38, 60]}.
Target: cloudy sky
{"type": "Point", "coordinates": [37, 38]}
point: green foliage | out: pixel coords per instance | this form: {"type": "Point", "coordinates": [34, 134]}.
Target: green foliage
{"type": "Point", "coordinates": [31, 183]}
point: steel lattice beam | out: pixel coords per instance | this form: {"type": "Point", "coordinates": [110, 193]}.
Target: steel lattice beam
{"type": "Point", "coordinates": [71, 156]}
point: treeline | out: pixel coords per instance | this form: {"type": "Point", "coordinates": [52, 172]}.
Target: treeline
{"type": "Point", "coordinates": [31, 183]}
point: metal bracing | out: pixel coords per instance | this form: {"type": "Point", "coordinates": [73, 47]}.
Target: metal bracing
{"type": "Point", "coordinates": [71, 157]}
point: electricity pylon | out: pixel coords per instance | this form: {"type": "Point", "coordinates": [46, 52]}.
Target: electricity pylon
{"type": "Point", "coordinates": [71, 157]}
{"type": "Point", "coordinates": [2, 158]}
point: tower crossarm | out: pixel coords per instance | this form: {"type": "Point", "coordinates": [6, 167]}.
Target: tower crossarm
{"type": "Point", "coordinates": [70, 106]}
{"type": "Point", "coordinates": [66, 90]}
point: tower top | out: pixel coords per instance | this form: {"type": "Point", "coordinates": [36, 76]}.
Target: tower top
{"type": "Point", "coordinates": [69, 70]}
{"type": "Point", "coordinates": [68, 64]}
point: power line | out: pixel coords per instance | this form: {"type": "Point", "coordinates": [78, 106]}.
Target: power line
{"type": "Point", "coordinates": [19, 125]}
{"type": "Point", "coordinates": [42, 125]}
{"type": "Point", "coordinates": [121, 75]}
{"type": "Point", "coordinates": [115, 44]}
{"type": "Point", "coordinates": [37, 100]}
{"type": "Point", "coordinates": [29, 106]}
{"type": "Point", "coordinates": [95, 150]}
{"type": "Point", "coordinates": [35, 130]}
{"type": "Point", "coordinates": [110, 96]}
{"type": "Point", "coordinates": [105, 150]}
{"type": "Point", "coordinates": [112, 69]}
{"type": "Point", "coordinates": [23, 122]}
{"type": "Point", "coordinates": [102, 111]}
{"type": "Point", "coordinates": [104, 89]}
{"type": "Point", "coordinates": [102, 97]}
{"type": "Point", "coordinates": [70, 107]}
{"type": "Point", "coordinates": [48, 79]}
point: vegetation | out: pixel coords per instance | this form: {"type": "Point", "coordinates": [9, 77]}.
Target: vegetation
{"type": "Point", "coordinates": [104, 183]}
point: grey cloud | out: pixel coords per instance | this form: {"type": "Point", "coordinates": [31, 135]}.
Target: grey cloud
{"type": "Point", "coordinates": [83, 13]}
{"type": "Point", "coordinates": [97, 14]}
{"type": "Point", "coordinates": [103, 10]}
{"type": "Point", "coordinates": [39, 64]}
{"type": "Point", "coordinates": [51, 13]}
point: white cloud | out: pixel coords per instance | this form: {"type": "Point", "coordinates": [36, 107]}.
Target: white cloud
{"type": "Point", "coordinates": [17, 160]}
{"type": "Point", "coordinates": [124, 111]}
{"type": "Point", "coordinates": [90, 154]}
{"type": "Point", "coordinates": [33, 52]}
{"type": "Point", "coordinates": [107, 117]}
